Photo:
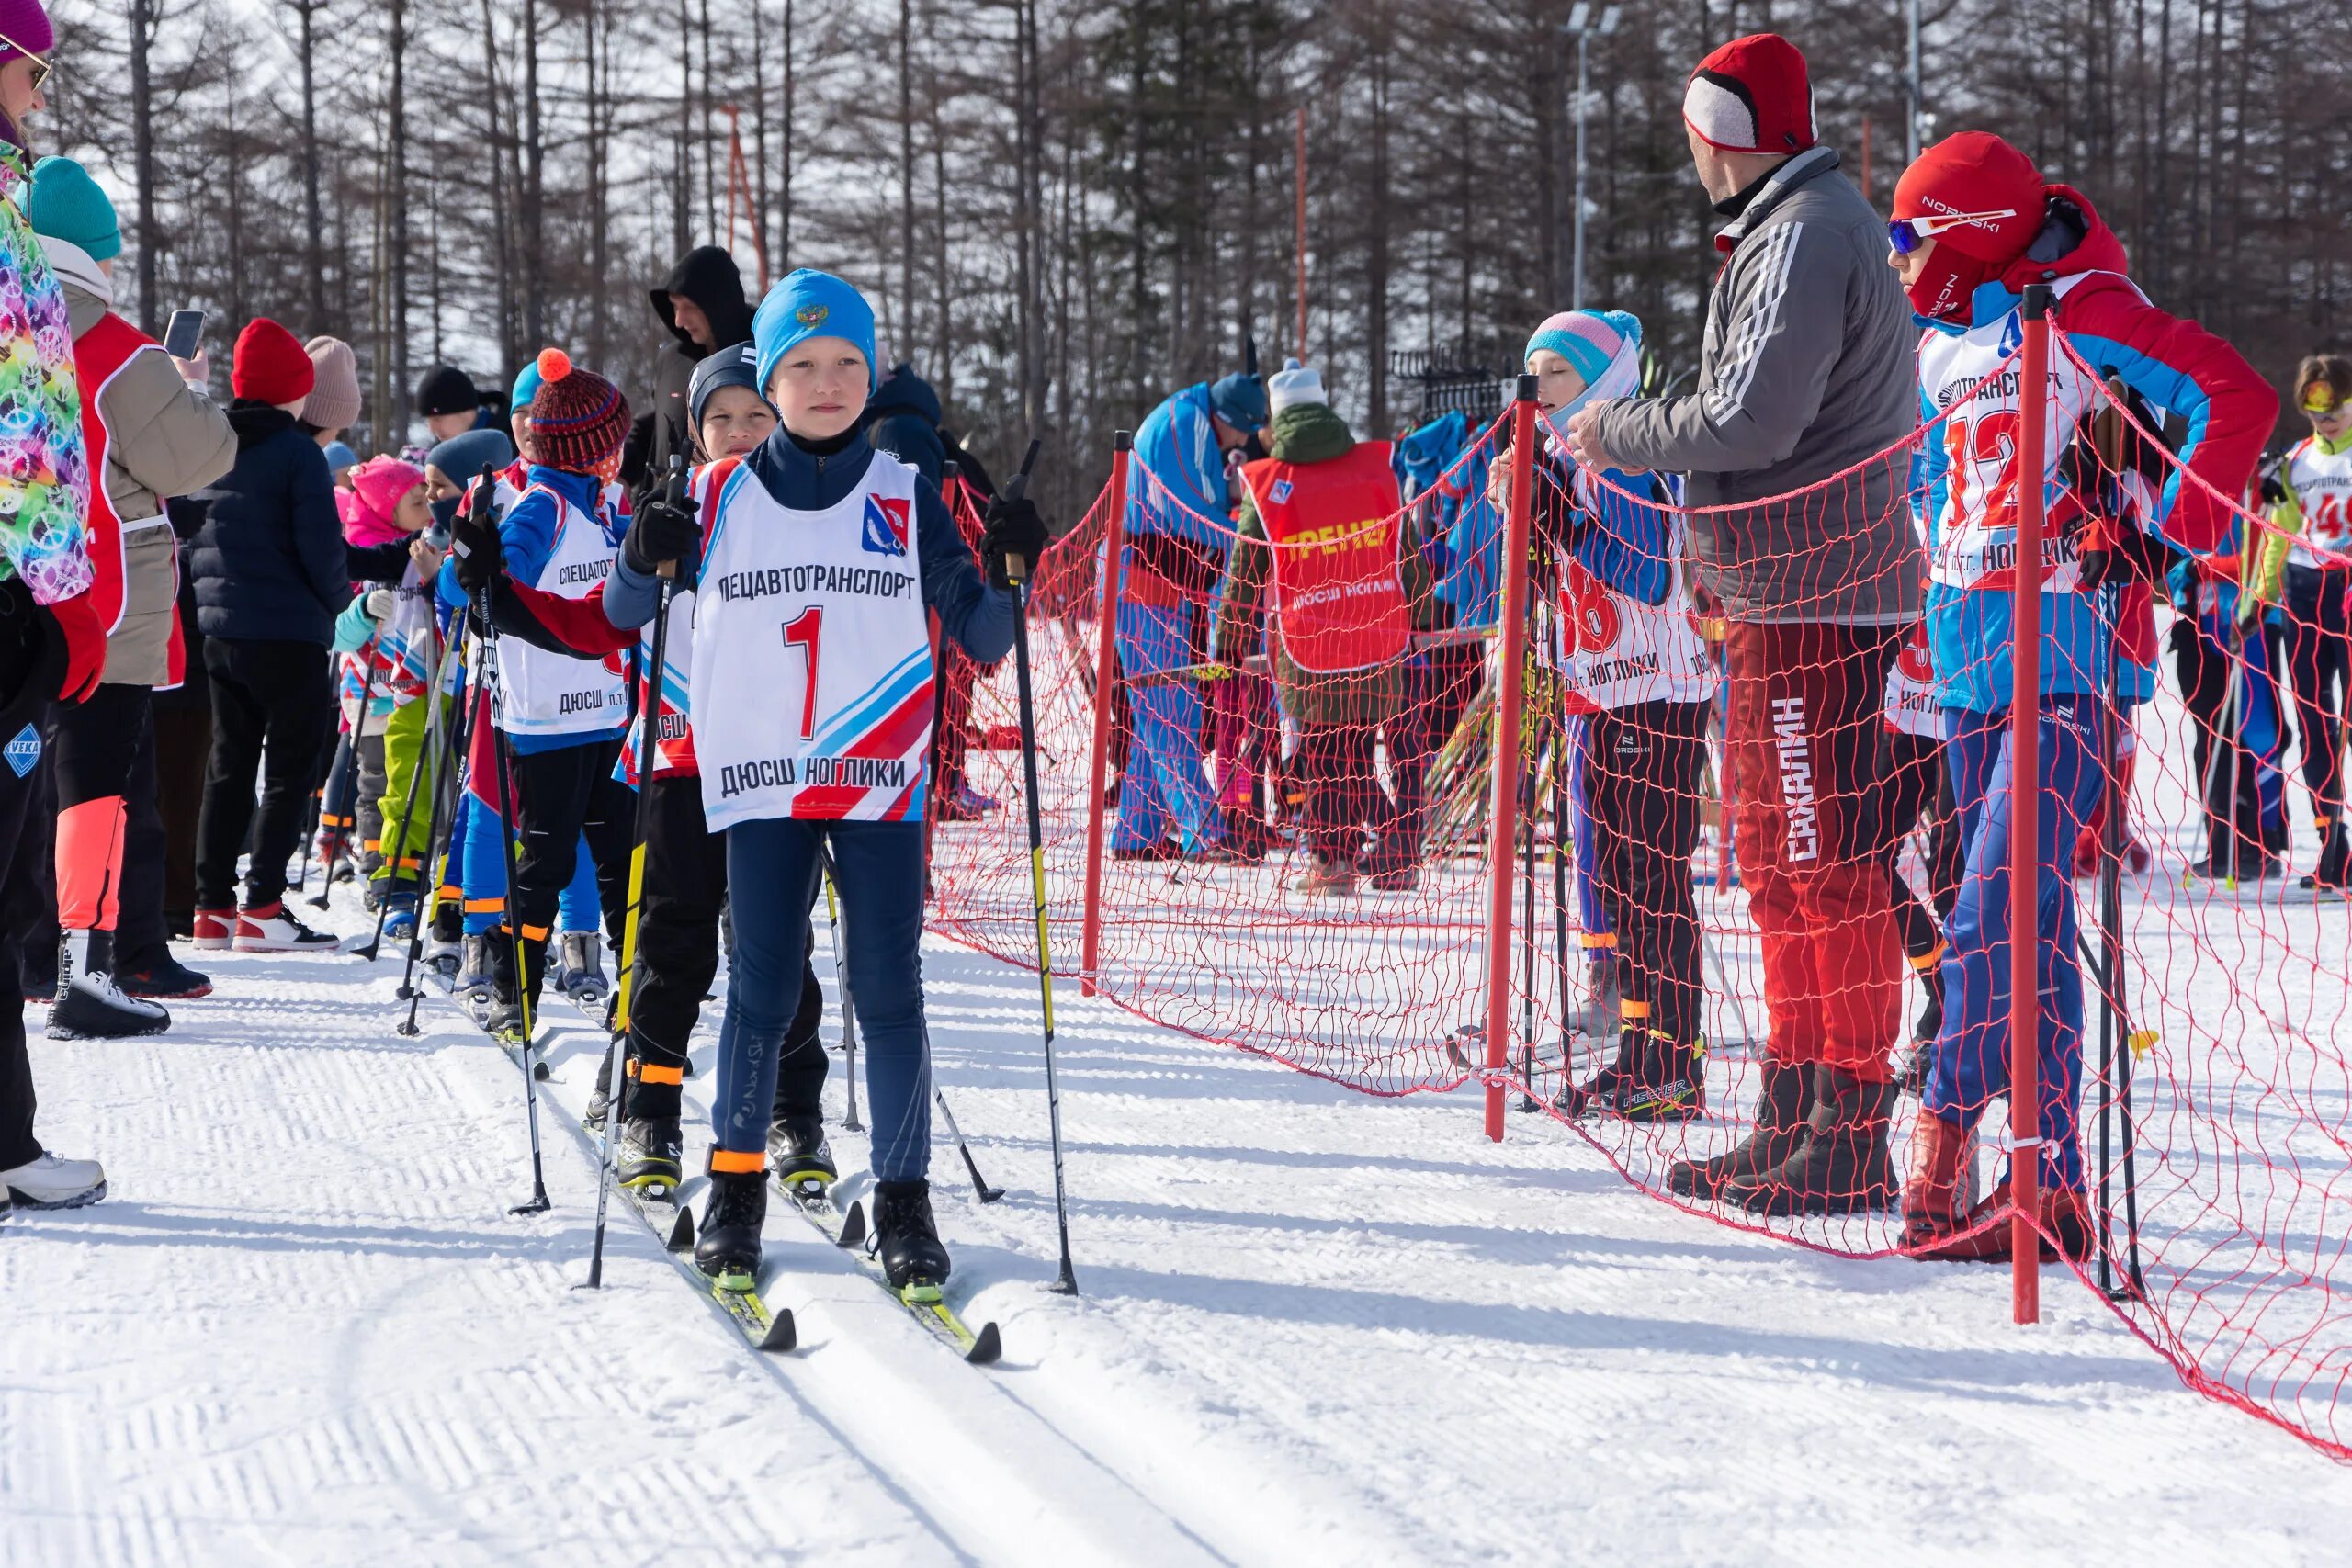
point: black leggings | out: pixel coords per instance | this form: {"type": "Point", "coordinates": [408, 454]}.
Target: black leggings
{"type": "Point", "coordinates": [1641, 789]}
{"type": "Point", "coordinates": [2319, 665]}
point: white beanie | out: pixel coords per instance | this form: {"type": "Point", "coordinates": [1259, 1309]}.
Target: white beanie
{"type": "Point", "coordinates": [1294, 383]}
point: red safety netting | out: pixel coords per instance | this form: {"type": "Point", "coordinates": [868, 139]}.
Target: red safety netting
{"type": "Point", "coordinates": [1307, 852]}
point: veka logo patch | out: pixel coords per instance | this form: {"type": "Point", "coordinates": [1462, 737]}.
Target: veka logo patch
{"type": "Point", "coordinates": [24, 750]}
{"type": "Point", "coordinates": [888, 523]}
{"type": "Point", "coordinates": [1280, 493]}
{"type": "Point", "coordinates": [2012, 333]}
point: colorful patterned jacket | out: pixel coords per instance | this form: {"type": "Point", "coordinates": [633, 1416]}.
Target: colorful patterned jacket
{"type": "Point", "coordinates": [44, 475]}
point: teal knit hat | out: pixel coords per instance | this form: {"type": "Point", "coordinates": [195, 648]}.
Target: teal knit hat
{"type": "Point", "coordinates": [66, 204]}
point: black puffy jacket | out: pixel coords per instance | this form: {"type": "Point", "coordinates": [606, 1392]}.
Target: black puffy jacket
{"type": "Point", "coordinates": [268, 562]}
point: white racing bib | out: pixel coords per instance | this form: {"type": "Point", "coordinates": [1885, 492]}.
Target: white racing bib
{"type": "Point", "coordinates": [1912, 707]}
{"type": "Point", "coordinates": [812, 672]}
{"type": "Point", "coordinates": [1974, 540]}
{"type": "Point", "coordinates": [555, 694]}
{"type": "Point", "coordinates": [2322, 488]}
{"type": "Point", "coordinates": [1613, 651]}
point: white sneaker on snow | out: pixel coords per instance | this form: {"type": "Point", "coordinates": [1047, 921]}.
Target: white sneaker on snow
{"type": "Point", "coordinates": [50, 1182]}
{"type": "Point", "coordinates": [271, 929]}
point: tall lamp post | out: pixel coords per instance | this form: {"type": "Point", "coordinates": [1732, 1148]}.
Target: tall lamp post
{"type": "Point", "coordinates": [1581, 23]}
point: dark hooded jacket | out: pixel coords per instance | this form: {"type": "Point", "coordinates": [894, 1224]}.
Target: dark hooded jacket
{"type": "Point", "coordinates": [709, 277]}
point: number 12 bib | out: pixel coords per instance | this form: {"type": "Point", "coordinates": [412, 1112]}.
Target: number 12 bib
{"type": "Point", "coordinates": [812, 677]}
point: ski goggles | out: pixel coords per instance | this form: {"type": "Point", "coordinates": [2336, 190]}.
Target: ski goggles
{"type": "Point", "coordinates": [41, 67]}
{"type": "Point", "coordinates": [2321, 400]}
{"type": "Point", "coordinates": [1905, 234]}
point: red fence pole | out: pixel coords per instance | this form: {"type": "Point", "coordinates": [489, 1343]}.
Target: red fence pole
{"type": "Point", "coordinates": [2025, 801]}
{"type": "Point", "coordinates": [1502, 809]}
{"type": "Point", "coordinates": [1107, 664]}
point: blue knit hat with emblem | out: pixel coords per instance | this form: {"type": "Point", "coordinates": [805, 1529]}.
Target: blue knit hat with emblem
{"type": "Point", "coordinates": [1241, 402]}
{"type": "Point", "coordinates": [807, 303]}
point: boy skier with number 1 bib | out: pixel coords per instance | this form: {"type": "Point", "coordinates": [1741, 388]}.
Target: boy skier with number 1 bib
{"type": "Point", "coordinates": [811, 685]}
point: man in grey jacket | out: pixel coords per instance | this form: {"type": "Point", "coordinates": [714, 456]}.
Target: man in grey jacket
{"type": "Point", "coordinates": [1798, 462]}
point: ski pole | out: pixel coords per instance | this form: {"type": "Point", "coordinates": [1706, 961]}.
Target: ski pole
{"type": "Point", "coordinates": [987, 1193]}
{"type": "Point", "coordinates": [408, 814]}
{"type": "Point", "coordinates": [1016, 571]}
{"type": "Point", "coordinates": [503, 763]}
{"type": "Point", "coordinates": [450, 751]}
{"type": "Point", "coordinates": [349, 773]}
{"type": "Point", "coordinates": [648, 744]}
{"type": "Point", "coordinates": [850, 1123]}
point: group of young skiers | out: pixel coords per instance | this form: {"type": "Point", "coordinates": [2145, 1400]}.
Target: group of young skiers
{"type": "Point", "coordinates": [787, 569]}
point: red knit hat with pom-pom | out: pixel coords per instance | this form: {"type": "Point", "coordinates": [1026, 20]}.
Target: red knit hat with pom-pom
{"type": "Point", "coordinates": [579, 419]}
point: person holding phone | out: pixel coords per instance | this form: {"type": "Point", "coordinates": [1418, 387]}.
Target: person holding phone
{"type": "Point", "coordinates": [54, 654]}
{"type": "Point", "coordinates": [148, 435]}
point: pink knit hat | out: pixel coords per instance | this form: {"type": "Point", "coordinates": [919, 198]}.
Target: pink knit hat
{"type": "Point", "coordinates": [377, 486]}
{"type": "Point", "coordinates": [26, 28]}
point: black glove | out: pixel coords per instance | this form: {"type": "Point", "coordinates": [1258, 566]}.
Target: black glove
{"type": "Point", "coordinates": [475, 546]}
{"type": "Point", "coordinates": [2273, 492]}
{"type": "Point", "coordinates": [1012, 528]}
{"type": "Point", "coordinates": [667, 530]}
{"type": "Point", "coordinates": [2130, 553]}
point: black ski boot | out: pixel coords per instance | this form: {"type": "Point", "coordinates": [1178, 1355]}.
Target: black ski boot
{"type": "Point", "coordinates": [1779, 1132]}
{"type": "Point", "coordinates": [505, 1016]}
{"type": "Point", "coordinates": [802, 1159]}
{"type": "Point", "coordinates": [652, 1156]}
{"type": "Point", "coordinates": [599, 1099]}
{"type": "Point", "coordinates": [730, 1249]}
{"type": "Point", "coordinates": [88, 1004]}
{"type": "Point", "coordinates": [907, 1240]}
{"type": "Point", "coordinates": [1844, 1167]}
{"type": "Point", "coordinates": [1652, 1079]}
{"type": "Point", "coordinates": [1913, 1079]}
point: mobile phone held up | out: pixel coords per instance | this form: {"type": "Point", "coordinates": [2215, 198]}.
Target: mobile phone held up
{"type": "Point", "coordinates": [185, 336]}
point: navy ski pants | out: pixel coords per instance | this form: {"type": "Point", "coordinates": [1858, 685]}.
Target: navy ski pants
{"type": "Point", "coordinates": [772, 878]}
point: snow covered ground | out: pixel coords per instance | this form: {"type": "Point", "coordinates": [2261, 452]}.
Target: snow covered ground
{"type": "Point", "coordinates": [1316, 1328]}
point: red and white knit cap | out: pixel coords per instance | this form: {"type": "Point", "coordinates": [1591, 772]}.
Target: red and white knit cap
{"type": "Point", "coordinates": [1752, 96]}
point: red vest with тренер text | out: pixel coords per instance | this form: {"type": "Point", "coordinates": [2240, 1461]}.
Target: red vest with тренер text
{"type": "Point", "coordinates": [1332, 526]}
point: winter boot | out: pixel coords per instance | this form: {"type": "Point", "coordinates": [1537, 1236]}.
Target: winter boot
{"type": "Point", "coordinates": [730, 1249]}
{"type": "Point", "coordinates": [89, 1005]}
{"type": "Point", "coordinates": [1325, 878]}
{"type": "Point", "coordinates": [445, 939]}
{"type": "Point", "coordinates": [477, 970]}
{"type": "Point", "coordinates": [272, 928]}
{"type": "Point", "coordinates": [157, 973]}
{"type": "Point", "coordinates": [508, 1011]}
{"type": "Point", "coordinates": [802, 1159]}
{"type": "Point", "coordinates": [580, 967]}
{"type": "Point", "coordinates": [1931, 1202]}
{"type": "Point", "coordinates": [1654, 1079]}
{"type": "Point", "coordinates": [50, 1182]}
{"type": "Point", "coordinates": [1844, 1167]}
{"type": "Point", "coordinates": [2334, 873]}
{"type": "Point", "coordinates": [1983, 1237]}
{"type": "Point", "coordinates": [652, 1154]}
{"type": "Point", "coordinates": [1781, 1131]}
{"type": "Point", "coordinates": [400, 916]}
{"type": "Point", "coordinates": [907, 1240]}
{"type": "Point", "coordinates": [1604, 1005]}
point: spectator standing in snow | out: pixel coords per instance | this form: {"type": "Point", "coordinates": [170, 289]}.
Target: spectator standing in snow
{"type": "Point", "coordinates": [702, 305]}
{"type": "Point", "coordinates": [271, 576]}
{"type": "Point", "coordinates": [333, 406]}
{"type": "Point", "coordinates": [148, 435]}
{"type": "Point", "coordinates": [1321, 539]}
{"type": "Point", "coordinates": [1806, 373]}
{"type": "Point", "coordinates": [1177, 541]}
{"type": "Point", "coordinates": [48, 656]}
{"type": "Point", "coordinates": [450, 404]}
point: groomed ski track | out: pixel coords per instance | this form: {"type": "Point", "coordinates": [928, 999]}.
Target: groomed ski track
{"type": "Point", "coordinates": [1318, 1328]}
